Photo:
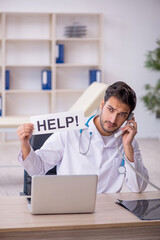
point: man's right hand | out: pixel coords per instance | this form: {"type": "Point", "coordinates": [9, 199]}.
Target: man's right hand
{"type": "Point", "coordinates": [24, 133]}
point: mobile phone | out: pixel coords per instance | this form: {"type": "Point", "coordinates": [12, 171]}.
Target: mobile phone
{"type": "Point", "coordinates": [118, 134]}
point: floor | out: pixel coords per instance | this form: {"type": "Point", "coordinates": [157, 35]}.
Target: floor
{"type": "Point", "coordinates": [11, 173]}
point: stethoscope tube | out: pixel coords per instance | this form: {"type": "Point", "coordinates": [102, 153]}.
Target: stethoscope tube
{"type": "Point", "coordinates": [90, 135]}
{"type": "Point", "coordinates": [85, 153]}
{"type": "Point", "coordinates": [121, 169]}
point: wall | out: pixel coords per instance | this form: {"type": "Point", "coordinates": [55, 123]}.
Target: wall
{"type": "Point", "coordinates": [131, 28]}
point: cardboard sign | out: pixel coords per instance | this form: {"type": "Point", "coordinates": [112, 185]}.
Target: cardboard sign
{"type": "Point", "coordinates": [50, 123]}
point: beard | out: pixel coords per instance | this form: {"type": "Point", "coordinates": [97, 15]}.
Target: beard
{"type": "Point", "coordinates": [114, 125]}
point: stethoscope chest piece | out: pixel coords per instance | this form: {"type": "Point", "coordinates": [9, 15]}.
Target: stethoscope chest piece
{"type": "Point", "coordinates": [122, 169]}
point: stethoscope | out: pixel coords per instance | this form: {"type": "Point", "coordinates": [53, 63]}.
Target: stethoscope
{"type": "Point", "coordinates": [90, 136]}
{"type": "Point", "coordinates": [121, 169]}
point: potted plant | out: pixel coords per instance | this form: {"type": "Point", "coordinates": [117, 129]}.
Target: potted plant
{"type": "Point", "coordinates": [152, 98]}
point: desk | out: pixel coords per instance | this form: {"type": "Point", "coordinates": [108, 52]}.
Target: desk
{"type": "Point", "coordinates": [110, 221]}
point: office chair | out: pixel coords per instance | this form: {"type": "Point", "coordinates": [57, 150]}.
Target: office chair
{"type": "Point", "coordinates": [36, 142]}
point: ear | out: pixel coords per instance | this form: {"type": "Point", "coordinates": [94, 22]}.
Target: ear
{"type": "Point", "coordinates": [102, 104]}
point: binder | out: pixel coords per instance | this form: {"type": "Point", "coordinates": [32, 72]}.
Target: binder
{"type": "Point", "coordinates": [7, 79]}
{"type": "Point", "coordinates": [59, 53]}
{"type": "Point", "coordinates": [94, 76]}
{"type": "Point", "coordinates": [0, 105]}
{"type": "Point", "coordinates": [46, 79]}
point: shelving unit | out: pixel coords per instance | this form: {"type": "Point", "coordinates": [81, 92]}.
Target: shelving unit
{"type": "Point", "coordinates": [28, 46]}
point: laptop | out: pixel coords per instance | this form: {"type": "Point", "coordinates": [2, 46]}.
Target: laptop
{"type": "Point", "coordinates": [60, 194]}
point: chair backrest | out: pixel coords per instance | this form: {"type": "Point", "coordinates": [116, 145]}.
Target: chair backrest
{"type": "Point", "coordinates": [36, 142]}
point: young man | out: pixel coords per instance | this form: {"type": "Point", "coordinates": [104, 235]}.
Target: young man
{"type": "Point", "coordinates": [93, 150]}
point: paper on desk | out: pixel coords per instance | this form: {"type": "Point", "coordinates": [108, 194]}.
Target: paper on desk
{"type": "Point", "coordinates": [51, 123]}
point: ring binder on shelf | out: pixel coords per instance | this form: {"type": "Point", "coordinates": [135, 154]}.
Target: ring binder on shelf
{"type": "Point", "coordinates": [7, 79]}
{"type": "Point", "coordinates": [59, 53]}
{"type": "Point", "coordinates": [46, 79]}
{"type": "Point", "coordinates": [94, 76]}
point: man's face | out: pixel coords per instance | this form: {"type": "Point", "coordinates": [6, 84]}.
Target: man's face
{"type": "Point", "coordinates": [113, 114]}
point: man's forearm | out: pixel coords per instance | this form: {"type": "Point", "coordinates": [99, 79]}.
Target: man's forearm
{"type": "Point", "coordinates": [26, 148]}
{"type": "Point", "coordinates": [129, 152]}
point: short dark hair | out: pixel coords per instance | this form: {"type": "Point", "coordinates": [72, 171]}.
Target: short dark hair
{"type": "Point", "coordinates": [123, 92]}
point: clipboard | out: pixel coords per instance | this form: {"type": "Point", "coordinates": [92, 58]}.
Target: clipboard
{"type": "Point", "coordinates": [145, 209]}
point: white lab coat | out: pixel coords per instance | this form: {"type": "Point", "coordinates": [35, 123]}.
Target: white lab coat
{"type": "Point", "coordinates": [62, 149]}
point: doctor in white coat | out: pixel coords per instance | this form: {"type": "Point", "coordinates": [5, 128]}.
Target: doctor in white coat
{"type": "Point", "coordinates": [93, 150]}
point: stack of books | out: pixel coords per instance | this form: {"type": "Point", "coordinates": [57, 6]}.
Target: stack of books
{"type": "Point", "coordinates": [75, 31]}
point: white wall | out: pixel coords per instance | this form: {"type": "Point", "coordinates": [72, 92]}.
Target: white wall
{"type": "Point", "coordinates": [131, 28]}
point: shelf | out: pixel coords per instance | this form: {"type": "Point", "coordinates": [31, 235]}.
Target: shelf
{"type": "Point", "coordinates": [28, 25]}
{"type": "Point", "coordinates": [11, 91]}
{"type": "Point", "coordinates": [68, 65]}
{"type": "Point", "coordinates": [44, 91]}
{"type": "Point", "coordinates": [28, 46]}
{"type": "Point", "coordinates": [69, 90]}
{"type": "Point", "coordinates": [91, 21]}
{"type": "Point", "coordinates": [27, 40]}
{"type": "Point", "coordinates": [28, 53]}
{"type": "Point", "coordinates": [83, 39]}
{"type": "Point", "coordinates": [28, 65]}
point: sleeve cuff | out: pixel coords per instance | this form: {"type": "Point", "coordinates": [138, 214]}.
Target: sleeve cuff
{"type": "Point", "coordinates": [27, 161]}
{"type": "Point", "coordinates": [128, 168]}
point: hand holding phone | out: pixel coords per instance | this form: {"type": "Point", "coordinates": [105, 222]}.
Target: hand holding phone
{"type": "Point", "coordinates": [118, 134]}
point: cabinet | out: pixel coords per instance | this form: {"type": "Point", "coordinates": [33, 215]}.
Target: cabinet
{"type": "Point", "coordinates": [28, 46]}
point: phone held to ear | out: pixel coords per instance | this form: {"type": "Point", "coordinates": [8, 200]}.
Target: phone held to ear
{"type": "Point", "coordinates": [118, 134]}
